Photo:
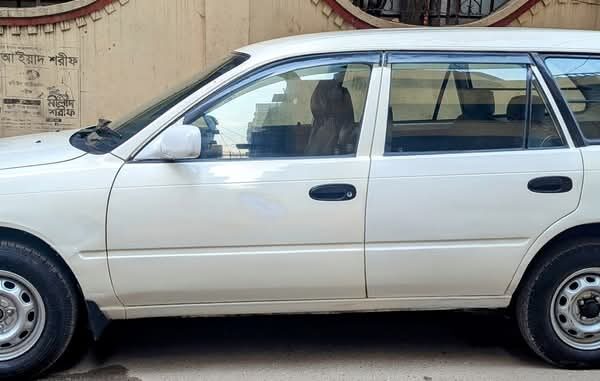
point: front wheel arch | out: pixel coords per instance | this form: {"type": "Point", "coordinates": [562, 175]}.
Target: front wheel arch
{"type": "Point", "coordinates": [27, 238]}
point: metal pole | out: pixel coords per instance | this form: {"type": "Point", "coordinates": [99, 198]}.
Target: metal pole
{"type": "Point", "coordinates": [457, 11]}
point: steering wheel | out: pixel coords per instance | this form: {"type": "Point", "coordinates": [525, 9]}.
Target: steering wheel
{"type": "Point", "coordinates": [548, 141]}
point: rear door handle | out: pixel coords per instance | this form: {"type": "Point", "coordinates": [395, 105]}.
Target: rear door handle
{"type": "Point", "coordinates": [550, 184]}
{"type": "Point", "coordinates": [333, 192]}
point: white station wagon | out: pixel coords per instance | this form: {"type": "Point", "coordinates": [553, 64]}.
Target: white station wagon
{"type": "Point", "coordinates": [352, 171]}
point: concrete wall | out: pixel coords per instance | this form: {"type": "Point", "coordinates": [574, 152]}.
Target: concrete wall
{"type": "Point", "coordinates": [129, 53]}
{"type": "Point", "coordinates": [70, 73]}
{"type": "Point", "coordinates": [571, 14]}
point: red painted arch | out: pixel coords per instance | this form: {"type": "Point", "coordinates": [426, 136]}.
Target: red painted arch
{"type": "Point", "coordinates": [361, 24]}
{"type": "Point", "coordinates": [347, 16]}
{"type": "Point", "coordinates": [55, 18]}
{"type": "Point", "coordinates": [335, 6]}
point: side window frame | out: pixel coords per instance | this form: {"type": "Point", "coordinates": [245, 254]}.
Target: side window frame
{"type": "Point", "coordinates": [465, 57]}
{"type": "Point", "coordinates": [372, 58]}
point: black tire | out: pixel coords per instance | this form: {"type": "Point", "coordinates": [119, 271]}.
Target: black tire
{"type": "Point", "coordinates": [60, 299]}
{"type": "Point", "coordinates": [534, 300]}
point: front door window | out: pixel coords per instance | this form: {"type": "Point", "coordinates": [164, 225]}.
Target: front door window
{"type": "Point", "coordinates": [314, 111]}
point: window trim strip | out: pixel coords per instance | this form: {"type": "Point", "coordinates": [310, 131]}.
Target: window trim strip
{"type": "Point", "coordinates": [458, 57]}
{"type": "Point", "coordinates": [528, 108]}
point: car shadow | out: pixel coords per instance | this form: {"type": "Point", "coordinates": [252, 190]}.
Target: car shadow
{"type": "Point", "coordinates": [297, 340]}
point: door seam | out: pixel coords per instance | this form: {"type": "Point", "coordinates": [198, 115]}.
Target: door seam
{"type": "Point", "coordinates": [377, 117]}
{"type": "Point", "coordinates": [110, 277]}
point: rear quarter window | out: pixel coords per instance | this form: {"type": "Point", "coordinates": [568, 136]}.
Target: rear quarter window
{"type": "Point", "coordinates": [579, 81]}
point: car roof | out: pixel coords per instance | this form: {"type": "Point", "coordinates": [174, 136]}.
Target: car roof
{"type": "Point", "coordinates": [436, 39]}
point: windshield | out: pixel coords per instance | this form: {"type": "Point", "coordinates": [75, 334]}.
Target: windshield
{"type": "Point", "coordinates": [107, 135]}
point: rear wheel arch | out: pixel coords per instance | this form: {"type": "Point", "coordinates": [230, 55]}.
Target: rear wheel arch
{"type": "Point", "coordinates": [563, 238]}
{"type": "Point", "coordinates": [548, 303]}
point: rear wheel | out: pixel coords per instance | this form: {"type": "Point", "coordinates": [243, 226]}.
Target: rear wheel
{"type": "Point", "coordinates": [558, 307]}
{"type": "Point", "coordinates": [575, 309]}
{"type": "Point", "coordinates": [38, 311]}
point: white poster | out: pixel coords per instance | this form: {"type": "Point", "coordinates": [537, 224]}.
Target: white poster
{"type": "Point", "coordinates": [39, 90]}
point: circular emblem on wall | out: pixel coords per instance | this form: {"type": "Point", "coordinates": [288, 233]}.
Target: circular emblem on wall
{"type": "Point", "coordinates": [58, 11]}
{"type": "Point", "coordinates": [436, 13]}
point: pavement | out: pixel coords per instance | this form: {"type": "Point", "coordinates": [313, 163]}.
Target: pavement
{"type": "Point", "coordinates": [424, 346]}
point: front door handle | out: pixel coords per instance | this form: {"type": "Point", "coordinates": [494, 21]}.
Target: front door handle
{"type": "Point", "coordinates": [550, 184]}
{"type": "Point", "coordinates": [333, 192]}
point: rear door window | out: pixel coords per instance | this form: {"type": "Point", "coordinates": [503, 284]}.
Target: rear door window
{"type": "Point", "coordinates": [466, 106]}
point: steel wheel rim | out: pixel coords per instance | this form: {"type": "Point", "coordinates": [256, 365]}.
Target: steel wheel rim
{"type": "Point", "coordinates": [571, 316]}
{"type": "Point", "coordinates": [22, 316]}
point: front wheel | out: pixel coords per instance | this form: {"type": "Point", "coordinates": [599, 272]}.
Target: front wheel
{"type": "Point", "coordinates": [558, 307]}
{"type": "Point", "coordinates": [38, 311]}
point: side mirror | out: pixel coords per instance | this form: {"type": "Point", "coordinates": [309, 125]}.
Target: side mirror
{"type": "Point", "coordinates": [177, 142]}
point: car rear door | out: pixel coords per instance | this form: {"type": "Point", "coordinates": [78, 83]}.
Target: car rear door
{"type": "Point", "coordinates": [274, 207]}
{"type": "Point", "coordinates": [469, 166]}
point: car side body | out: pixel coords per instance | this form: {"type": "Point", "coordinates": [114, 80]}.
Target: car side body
{"type": "Point", "coordinates": [425, 230]}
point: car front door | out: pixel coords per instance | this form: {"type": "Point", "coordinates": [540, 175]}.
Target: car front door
{"type": "Point", "coordinates": [272, 210]}
{"type": "Point", "coordinates": [469, 167]}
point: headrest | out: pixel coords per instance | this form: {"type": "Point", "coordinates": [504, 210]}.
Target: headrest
{"type": "Point", "coordinates": [330, 99]}
{"type": "Point", "coordinates": [478, 104]}
{"type": "Point", "coordinates": [517, 106]}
